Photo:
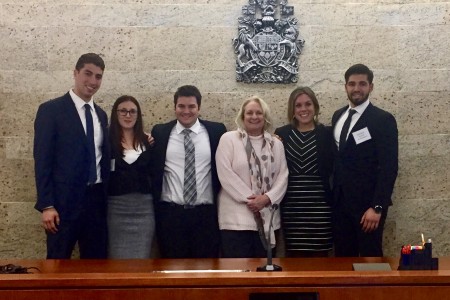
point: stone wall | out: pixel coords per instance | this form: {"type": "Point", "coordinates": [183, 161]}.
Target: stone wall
{"type": "Point", "coordinates": [153, 46]}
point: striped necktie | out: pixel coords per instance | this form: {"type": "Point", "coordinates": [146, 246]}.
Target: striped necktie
{"type": "Point", "coordinates": [190, 183]}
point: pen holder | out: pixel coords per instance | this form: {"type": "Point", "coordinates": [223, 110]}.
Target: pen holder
{"type": "Point", "coordinates": [418, 258]}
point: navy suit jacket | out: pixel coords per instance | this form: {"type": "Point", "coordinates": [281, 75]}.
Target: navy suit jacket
{"type": "Point", "coordinates": [61, 156]}
{"type": "Point", "coordinates": [161, 133]}
{"type": "Point", "coordinates": [365, 173]}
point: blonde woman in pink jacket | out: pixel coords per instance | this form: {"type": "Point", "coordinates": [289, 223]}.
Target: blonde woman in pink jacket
{"type": "Point", "coordinates": [252, 170]}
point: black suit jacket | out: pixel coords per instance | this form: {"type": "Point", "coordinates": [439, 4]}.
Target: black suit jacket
{"type": "Point", "coordinates": [161, 133]}
{"type": "Point", "coordinates": [365, 173]}
{"type": "Point", "coordinates": [324, 152]}
{"type": "Point", "coordinates": [61, 156]}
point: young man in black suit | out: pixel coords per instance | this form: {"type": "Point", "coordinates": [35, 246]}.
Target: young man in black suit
{"type": "Point", "coordinates": [71, 153]}
{"type": "Point", "coordinates": [366, 166]}
{"type": "Point", "coordinates": [186, 212]}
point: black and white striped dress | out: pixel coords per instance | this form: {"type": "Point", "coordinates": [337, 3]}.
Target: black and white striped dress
{"type": "Point", "coordinates": [306, 217]}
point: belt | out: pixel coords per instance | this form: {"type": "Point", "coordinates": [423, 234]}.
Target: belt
{"type": "Point", "coordinates": [184, 206]}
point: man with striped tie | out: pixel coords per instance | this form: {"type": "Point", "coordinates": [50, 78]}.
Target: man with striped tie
{"type": "Point", "coordinates": [185, 182]}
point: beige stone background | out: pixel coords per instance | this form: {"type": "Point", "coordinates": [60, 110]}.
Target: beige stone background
{"type": "Point", "coordinates": [153, 46]}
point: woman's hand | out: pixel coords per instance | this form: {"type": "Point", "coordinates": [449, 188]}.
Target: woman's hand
{"type": "Point", "coordinates": [150, 139]}
{"type": "Point", "coordinates": [257, 202]}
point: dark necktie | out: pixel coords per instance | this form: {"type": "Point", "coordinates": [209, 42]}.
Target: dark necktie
{"type": "Point", "coordinates": [345, 128]}
{"type": "Point", "coordinates": [190, 183]}
{"type": "Point", "coordinates": [91, 145]}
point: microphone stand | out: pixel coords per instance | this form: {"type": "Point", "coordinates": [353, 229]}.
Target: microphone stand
{"type": "Point", "coordinates": [270, 267]}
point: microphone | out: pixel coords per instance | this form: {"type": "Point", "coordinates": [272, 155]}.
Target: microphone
{"type": "Point", "coordinates": [270, 267]}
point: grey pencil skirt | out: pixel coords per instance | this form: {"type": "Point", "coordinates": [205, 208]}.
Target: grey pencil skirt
{"type": "Point", "coordinates": [131, 226]}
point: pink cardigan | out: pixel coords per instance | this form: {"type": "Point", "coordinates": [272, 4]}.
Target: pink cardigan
{"type": "Point", "coordinates": [234, 175]}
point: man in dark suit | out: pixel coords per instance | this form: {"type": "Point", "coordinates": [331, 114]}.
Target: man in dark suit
{"type": "Point", "coordinates": [71, 153]}
{"type": "Point", "coordinates": [366, 165]}
{"type": "Point", "coordinates": [186, 211]}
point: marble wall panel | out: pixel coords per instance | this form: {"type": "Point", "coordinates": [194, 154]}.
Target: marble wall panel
{"type": "Point", "coordinates": [391, 242]}
{"type": "Point", "coordinates": [37, 82]}
{"type": "Point", "coordinates": [339, 47]}
{"type": "Point", "coordinates": [170, 80]}
{"type": "Point", "coordinates": [373, 14]}
{"type": "Point", "coordinates": [185, 48]}
{"type": "Point", "coordinates": [424, 177]}
{"type": "Point", "coordinates": [17, 213]}
{"type": "Point", "coordinates": [208, 15]}
{"type": "Point", "coordinates": [23, 48]}
{"type": "Point", "coordinates": [348, 14]}
{"type": "Point", "coordinates": [17, 179]}
{"type": "Point", "coordinates": [424, 145]}
{"type": "Point", "coordinates": [22, 241]}
{"type": "Point", "coordinates": [423, 80]}
{"type": "Point", "coordinates": [17, 112]}
{"type": "Point", "coordinates": [117, 46]}
{"type": "Point", "coordinates": [424, 47]}
{"type": "Point", "coordinates": [43, 15]}
{"type": "Point", "coordinates": [380, 2]}
{"type": "Point", "coordinates": [113, 15]}
{"type": "Point", "coordinates": [24, 1]}
{"type": "Point", "coordinates": [154, 2]}
{"type": "Point", "coordinates": [424, 113]}
{"type": "Point", "coordinates": [20, 148]}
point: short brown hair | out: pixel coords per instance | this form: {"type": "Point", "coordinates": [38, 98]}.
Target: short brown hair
{"type": "Point", "coordinates": [90, 58]}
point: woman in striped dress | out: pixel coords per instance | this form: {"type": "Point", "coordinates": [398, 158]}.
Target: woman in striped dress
{"type": "Point", "coordinates": [305, 212]}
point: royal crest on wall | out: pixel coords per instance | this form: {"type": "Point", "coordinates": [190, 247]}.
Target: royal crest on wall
{"type": "Point", "coordinates": [267, 48]}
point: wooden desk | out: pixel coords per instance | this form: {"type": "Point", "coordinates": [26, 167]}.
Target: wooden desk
{"type": "Point", "coordinates": [331, 278]}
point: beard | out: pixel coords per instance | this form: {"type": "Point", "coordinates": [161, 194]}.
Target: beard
{"type": "Point", "coordinates": [359, 99]}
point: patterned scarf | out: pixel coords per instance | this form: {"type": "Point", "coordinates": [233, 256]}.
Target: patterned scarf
{"type": "Point", "coordinates": [261, 176]}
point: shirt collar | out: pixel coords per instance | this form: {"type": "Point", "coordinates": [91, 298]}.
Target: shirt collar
{"type": "Point", "coordinates": [195, 128]}
{"type": "Point", "coordinates": [360, 108]}
{"type": "Point", "coordinates": [79, 103]}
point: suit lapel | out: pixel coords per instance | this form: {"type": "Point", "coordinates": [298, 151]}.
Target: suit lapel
{"type": "Point", "coordinates": [73, 117]}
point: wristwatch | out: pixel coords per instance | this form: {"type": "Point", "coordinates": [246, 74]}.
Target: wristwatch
{"type": "Point", "coordinates": [378, 209]}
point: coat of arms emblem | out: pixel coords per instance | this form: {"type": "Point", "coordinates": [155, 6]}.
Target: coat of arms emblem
{"type": "Point", "coordinates": [267, 48]}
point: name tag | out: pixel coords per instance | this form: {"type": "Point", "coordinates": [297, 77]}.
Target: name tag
{"type": "Point", "coordinates": [113, 165]}
{"type": "Point", "coordinates": [361, 135]}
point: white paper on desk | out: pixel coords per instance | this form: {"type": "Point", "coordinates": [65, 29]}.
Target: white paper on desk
{"type": "Point", "coordinates": [199, 271]}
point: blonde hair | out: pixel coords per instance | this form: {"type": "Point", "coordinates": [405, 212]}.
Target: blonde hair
{"type": "Point", "coordinates": [266, 113]}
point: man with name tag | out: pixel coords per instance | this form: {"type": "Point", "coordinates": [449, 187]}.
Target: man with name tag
{"type": "Point", "coordinates": [366, 166]}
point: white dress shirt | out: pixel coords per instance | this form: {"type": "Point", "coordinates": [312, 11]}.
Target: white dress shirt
{"type": "Point", "coordinates": [173, 180]}
{"type": "Point", "coordinates": [340, 123]}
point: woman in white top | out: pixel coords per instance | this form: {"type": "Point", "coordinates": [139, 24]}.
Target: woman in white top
{"type": "Point", "coordinates": [252, 170]}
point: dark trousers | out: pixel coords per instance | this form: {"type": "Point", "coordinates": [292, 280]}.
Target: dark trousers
{"type": "Point", "coordinates": [350, 240]}
{"type": "Point", "coordinates": [242, 244]}
{"type": "Point", "coordinates": [88, 229]}
{"type": "Point", "coordinates": [187, 232]}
